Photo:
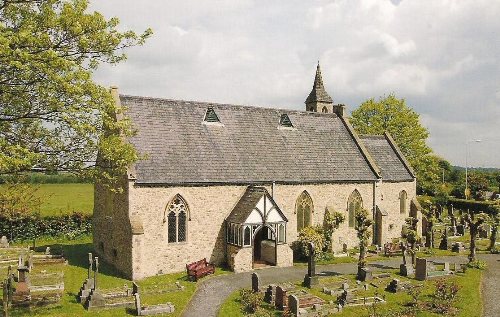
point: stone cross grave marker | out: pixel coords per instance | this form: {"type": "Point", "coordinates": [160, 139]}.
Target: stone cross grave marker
{"type": "Point", "coordinates": [96, 271]}
{"type": "Point", "coordinates": [311, 279]}
{"type": "Point", "coordinates": [270, 293]}
{"type": "Point", "coordinates": [255, 282]}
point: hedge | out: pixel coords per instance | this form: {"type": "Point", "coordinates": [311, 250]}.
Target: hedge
{"type": "Point", "coordinates": [474, 205]}
{"type": "Point", "coordinates": [32, 226]}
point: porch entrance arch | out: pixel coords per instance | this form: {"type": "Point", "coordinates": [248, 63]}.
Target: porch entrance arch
{"type": "Point", "coordinates": [258, 224]}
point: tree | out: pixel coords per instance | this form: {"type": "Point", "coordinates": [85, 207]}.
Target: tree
{"type": "Point", "coordinates": [362, 226]}
{"type": "Point", "coordinates": [331, 223]}
{"type": "Point", "coordinates": [52, 115]}
{"type": "Point", "coordinates": [410, 236]}
{"type": "Point", "coordinates": [495, 220]}
{"type": "Point", "coordinates": [478, 184]}
{"type": "Point", "coordinates": [394, 116]}
{"type": "Point", "coordinates": [474, 220]}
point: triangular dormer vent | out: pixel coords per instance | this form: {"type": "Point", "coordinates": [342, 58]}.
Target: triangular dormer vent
{"type": "Point", "coordinates": [285, 121]}
{"type": "Point", "coordinates": [211, 116]}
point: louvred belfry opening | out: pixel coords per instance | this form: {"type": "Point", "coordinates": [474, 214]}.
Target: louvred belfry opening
{"type": "Point", "coordinates": [211, 116]}
{"type": "Point", "coordinates": [285, 121]}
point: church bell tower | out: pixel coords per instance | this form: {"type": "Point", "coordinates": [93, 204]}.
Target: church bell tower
{"type": "Point", "coordinates": [319, 100]}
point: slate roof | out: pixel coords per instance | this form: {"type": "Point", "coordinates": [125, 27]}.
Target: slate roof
{"type": "Point", "coordinates": [392, 165]}
{"type": "Point", "coordinates": [247, 203]}
{"type": "Point", "coordinates": [246, 147]}
{"type": "Point", "coordinates": [318, 92]}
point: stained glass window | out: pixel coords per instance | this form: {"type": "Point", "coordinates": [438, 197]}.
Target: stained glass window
{"type": "Point", "coordinates": [304, 210]}
{"type": "Point", "coordinates": [354, 203]}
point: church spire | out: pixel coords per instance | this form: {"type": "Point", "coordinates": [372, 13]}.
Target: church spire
{"type": "Point", "coordinates": [318, 93]}
{"type": "Point", "coordinates": [318, 99]}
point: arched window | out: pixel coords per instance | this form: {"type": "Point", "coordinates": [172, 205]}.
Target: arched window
{"type": "Point", "coordinates": [305, 209]}
{"type": "Point", "coordinates": [354, 203]}
{"type": "Point", "coordinates": [246, 240]}
{"type": "Point", "coordinates": [324, 110]}
{"type": "Point", "coordinates": [403, 196]}
{"type": "Point", "coordinates": [177, 211]}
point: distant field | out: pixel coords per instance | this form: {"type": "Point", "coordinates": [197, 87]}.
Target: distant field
{"type": "Point", "coordinates": [60, 199]}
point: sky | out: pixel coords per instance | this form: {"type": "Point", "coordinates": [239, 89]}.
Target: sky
{"type": "Point", "coordinates": [441, 56]}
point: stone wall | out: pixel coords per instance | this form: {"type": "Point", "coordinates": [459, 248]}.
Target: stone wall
{"type": "Point", "coordinates": [149, 253]}
{"type": "Point", "coordinates": [112, 234]}
{"type": "Point", "coordinates": [388, 199]}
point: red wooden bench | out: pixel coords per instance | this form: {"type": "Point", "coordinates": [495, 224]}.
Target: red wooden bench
{"type": "Point", "coordinates": [199, 269]}
{"type": "Point", "coordinates": [391, 248]}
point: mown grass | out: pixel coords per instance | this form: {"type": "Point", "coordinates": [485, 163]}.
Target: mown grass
{"type": "Point", "coordinates": [468, 301]}
{"type": "Point", "coordinates": [75, 272]}
{"type": "Point", "coordinates": [61, 199]}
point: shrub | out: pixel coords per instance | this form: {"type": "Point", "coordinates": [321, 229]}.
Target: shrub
{"type": "Point", "coordinates": [477, 264]}
{"type": "Point", "coordinates": [250, 300]}
{"type": "Point", "coordinates": [306, 235]}
{"type": "Point", "coordinates": [443, 297]}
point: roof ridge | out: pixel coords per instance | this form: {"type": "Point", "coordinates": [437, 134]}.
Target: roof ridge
{"type": "Point", "coordinates": [217, 104]}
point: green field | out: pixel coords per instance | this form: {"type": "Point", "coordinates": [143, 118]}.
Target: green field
{"type": "Point", "coordinates": [58, 199]}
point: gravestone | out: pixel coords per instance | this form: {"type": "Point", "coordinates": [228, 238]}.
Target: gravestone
{"type": "Point", "coordinates": [365, 274]}
{"type": "Point", "coordinates": [483, 231]}
{"type": "Point", "coordinates": [293, 304]}
{"type": "Point", "coordinates": [281, 301]}
{"type": "Point", "coordinates": [47, 251]}
{"type": "Point", "coordinates": [447, 267]}
{"type": "Point", "coordinates": [421, 269]}
{"type": "Point", "coordinates": [4, 242]}
{"type": "Point", "coordinates": [458, 247]}
{"type": "Point", "coordinates": [311, 279]}
{"type": "Point", "coordinates": [406, 269]}
{"type": "Point", "coordinates": [270, 294]}
{"type": "Point", "coordinates": [88, 284]}
{"type": "Point", "coordinates": [460, 229]}
{"type": "Point", "coordinates": [394, 286]}
{"type": "Point", "coordinates": [344, 248]}
{"type": "Point", "coordinates": [345, 286]}
{"type": "Point", "coordinates": [95, 300]}
{"type": "Point", "coordinates": [138, 307]}
{"type": "Point", "coordinates": [444, 240]}
{"type": "Point", "coordinates": [255, 282]}
{"type": "Point", "coordinates": [345, 297]}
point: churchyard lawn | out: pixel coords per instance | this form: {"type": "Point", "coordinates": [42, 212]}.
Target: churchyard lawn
{"type": "Point", "coordinates": [154, 290]}
{"type": "Point", "coordinates": [468, 301]}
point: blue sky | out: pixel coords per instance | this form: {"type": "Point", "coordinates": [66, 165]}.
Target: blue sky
{"type": "Point", "coordinates": [442, 56]}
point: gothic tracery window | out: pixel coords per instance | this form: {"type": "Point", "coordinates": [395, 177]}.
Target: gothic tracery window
{"type": "Point", "coordinates": [354, 203]}
{"type": "Point", "coordinates": [177, 214]}
{"type": "Point", "coordinates": [304, 210]}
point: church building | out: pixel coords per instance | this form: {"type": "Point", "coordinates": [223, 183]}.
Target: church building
{"type": "Point", "coordinates": [235, 184]}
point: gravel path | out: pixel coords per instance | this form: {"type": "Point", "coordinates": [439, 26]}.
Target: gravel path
{"type": "Point", "coordinates": [490, 287]}
{"type": "Point", "coordinates": [213, 291]}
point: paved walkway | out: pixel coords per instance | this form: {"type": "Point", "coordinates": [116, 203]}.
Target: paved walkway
{"type": "Point", "coordinates": [213, 291]}
{"type": "Point", "coordinates": [490, 287]}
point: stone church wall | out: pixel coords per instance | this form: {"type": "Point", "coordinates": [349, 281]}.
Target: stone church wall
{"type": "Point", "coordinates": [388, 199]}
{"type": "Point", "coordinates": [142, 255]}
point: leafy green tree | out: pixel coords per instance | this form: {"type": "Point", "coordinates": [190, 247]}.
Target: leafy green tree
{"type": "Point", "coordinates": [331, 223]}
{"type": "Point", "coordinates": [362, 226]}
{"type": "Point", "coordinates": [52, 115]}
{"type": "Point", "coordinates": [478, 184]}
{"type": "Point", "coordinates": [410, 236]}
{"type": "Point", "coordinates": [391, 114]}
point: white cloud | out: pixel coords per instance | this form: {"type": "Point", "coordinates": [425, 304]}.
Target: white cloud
{"type": "Point", "coordinates": [440, 55]}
